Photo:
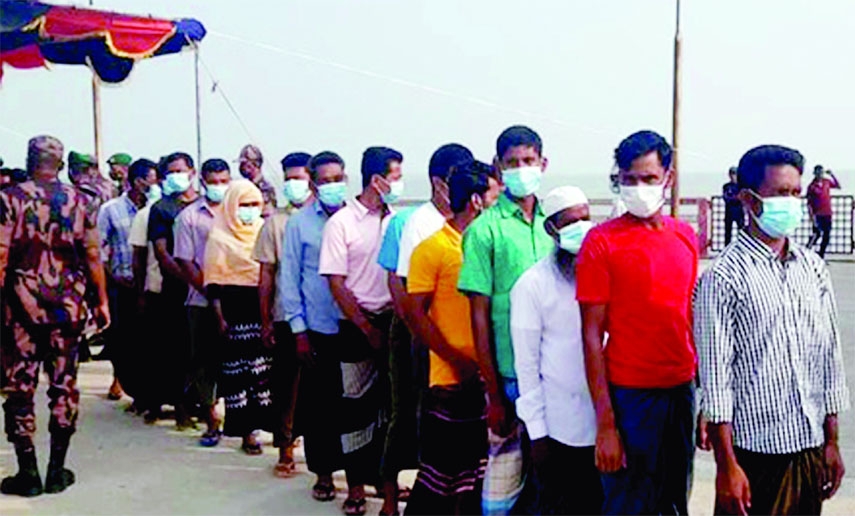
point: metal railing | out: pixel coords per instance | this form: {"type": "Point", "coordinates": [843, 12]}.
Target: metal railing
{"type": "Point", "coordinates": [842, 239]}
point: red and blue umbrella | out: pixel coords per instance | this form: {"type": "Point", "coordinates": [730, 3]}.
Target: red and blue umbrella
{"type": "Point", "coordinates": [33, 34]}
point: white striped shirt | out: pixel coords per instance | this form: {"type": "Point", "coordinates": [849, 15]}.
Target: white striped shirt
{"type": "Point", "coordinates": [770, 357]}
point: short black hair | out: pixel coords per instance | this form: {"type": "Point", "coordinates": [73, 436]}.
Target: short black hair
{"type": "Point", "coordinates": [376, 161]}
{"type": "Point", "coordinates": [139, 169]}
{"type": "Point", "coordinates": [296, 159]}
{"type": "Point", "coordinates": [471, 178]}
{"type": "Point", "coordinates": [733, 170]}
{"type": "Point", "coordinates": [516, 136]}
{"type": "Point", "coordinates": [752, 166]}
{"type": "Point", "coordinates": [214, 165]}
{"type": "Point", "coordinates": [175, 156]}
{"type": "Point", "coordinates": [323, 158]}
{"type": "Point", "coordinates": [641, 144]}
{"type": "Point", "coordinates": [446, 158]}
{"type": "Point", "coordinates": [818, 169]}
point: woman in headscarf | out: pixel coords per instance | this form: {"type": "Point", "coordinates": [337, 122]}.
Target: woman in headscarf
{"type": "Point", "coordinates": [231, 278]}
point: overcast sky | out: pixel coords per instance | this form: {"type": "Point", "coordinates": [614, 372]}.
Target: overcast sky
{"type": "Point", "coordinates": [341, 75]}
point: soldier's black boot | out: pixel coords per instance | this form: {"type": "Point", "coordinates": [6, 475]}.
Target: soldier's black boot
{"type": "Point", "coordinates": [27, 481]}
{"type": "Point", "coordinates": [58, 478]}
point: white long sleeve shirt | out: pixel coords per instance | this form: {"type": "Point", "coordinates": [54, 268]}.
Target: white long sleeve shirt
{"type": "Point", "coordinates": [546, 332]}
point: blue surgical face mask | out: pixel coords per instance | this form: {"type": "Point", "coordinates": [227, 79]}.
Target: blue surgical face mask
{"type": "Point", "coordinates": [780, 216]}
{"type": "Point", "coordinates": [154, 193]}
{"type": "Point", "coordinates": [249, 214]}
{"type": "Point", "coordinates": [332, 194]}
{"type": "Point", "coordinates": [297, 190]}
{"type": "Point", "coordinates": [178, 182]}
{"type": "Point", "coordinates": [216, 193]}
{"type": "Point", "coordinates": [396, 188]}
{"type": "Point", "coordinates": [522, 181]}
{"type": "Point", "coordinates": [570, 237]}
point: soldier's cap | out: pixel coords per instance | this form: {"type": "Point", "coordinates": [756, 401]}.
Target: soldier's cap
{"type": "Point", "coordinates": [251, 153]}
{"type": "Point", "coordinates": [77, 158]}
{"type": "Point", "coordinates": [120, 159]}
{"type": "Point", "coordinates": [46, 146]}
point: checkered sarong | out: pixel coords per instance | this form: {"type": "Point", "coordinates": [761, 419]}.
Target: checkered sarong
{"type": "Point", "coordinates": [505, 476]}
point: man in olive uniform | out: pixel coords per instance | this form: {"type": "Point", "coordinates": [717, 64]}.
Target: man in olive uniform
{"type": "Point", "coordinates": [119, 164]}
{"type": "Point", "coordinates": [49, 252]}
{"type": "Point", "coordinates": [83, 173]}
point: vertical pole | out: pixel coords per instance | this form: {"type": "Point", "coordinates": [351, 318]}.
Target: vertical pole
{"type": "Point", "coordinates": [96, 117]}
{"type": "Point", "coordinates": [675, 127]}
{"type": "Point", "coordinates": [198, 110]}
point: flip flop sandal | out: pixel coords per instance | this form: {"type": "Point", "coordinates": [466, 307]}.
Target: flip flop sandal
{"type": "Point", "coordinates": [284, 469]}
{"type": "Point", "coordinates": [404, 494]}
{"type": "Point", "coordinates": [354, 507]}
{"type": "Point", "coordinates": [210, 439]}
{"type": "Point", "coordinates": [251, 449]}
{"type": "Point", "coordinates": [323, 492]}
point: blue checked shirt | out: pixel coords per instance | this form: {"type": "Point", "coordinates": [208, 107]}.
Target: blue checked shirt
{"type": "Point", "coordinates": [114, 226]}
{"type": "Point", "coordinates": [771, 362]}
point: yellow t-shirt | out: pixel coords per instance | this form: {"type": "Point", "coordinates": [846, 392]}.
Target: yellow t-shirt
{"type": "Point", "coordinates": [434, 269]}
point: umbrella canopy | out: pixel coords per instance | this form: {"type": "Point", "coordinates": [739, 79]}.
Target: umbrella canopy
{"type": "Point", "coordinates": [33, 34]}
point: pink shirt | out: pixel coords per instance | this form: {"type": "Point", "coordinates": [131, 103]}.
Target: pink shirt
{"type": "Point", "coordinates": [350, 245]}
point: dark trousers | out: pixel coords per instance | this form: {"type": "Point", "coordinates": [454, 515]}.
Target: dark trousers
{"type": "Point", "coordinates": [205, 356]}
{"type": "Point", "coordinates": [33, 346]}
{"type": "Point", "coordinates": [318, 415]}
{"type": "Point", "coordinates": [570, 482]}
{"type": "Point", "coordinates": [782, 484]}
{"type": "Point", "coordinates": [732, 217]}
{"type": "Point", "coordinates": [657, 429]}
{"type": "Point", "coordinates": [123, 315]}
{"type": "Point", "coordinates": [285, 383]}
{"type": "Point", "coordinates": [821, 229]}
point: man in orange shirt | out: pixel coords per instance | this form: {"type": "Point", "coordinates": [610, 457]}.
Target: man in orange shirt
{"type": "Point", "coordinates": [635, 276]}
{"type": "Point", "coordinates": [450, 478]}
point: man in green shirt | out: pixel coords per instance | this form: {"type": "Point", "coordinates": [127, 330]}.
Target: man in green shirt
{"type": "Point", "coordinates": [497, 248]}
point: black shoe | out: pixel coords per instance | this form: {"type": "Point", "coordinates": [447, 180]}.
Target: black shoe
{"type": "Point", "coordinates": [22, 484]}
{"type": "Point", "coordinates": [58, 481]}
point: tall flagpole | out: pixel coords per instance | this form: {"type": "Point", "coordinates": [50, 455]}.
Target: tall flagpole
{"type": "Point", "coordinates": [96, 117]}
{"type": "Point", "coordinates": [198, 110]}
{"type": "Point", "coordinates": [675, 127]}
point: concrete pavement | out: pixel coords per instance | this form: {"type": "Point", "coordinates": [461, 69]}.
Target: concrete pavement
{"type": "Point", "coordinates": [126, 467]}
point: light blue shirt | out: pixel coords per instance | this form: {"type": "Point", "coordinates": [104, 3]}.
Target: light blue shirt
{"type": "Point", "coordinates": [388, 257]}
{"type": "Point", "coordinates": [305, 295]}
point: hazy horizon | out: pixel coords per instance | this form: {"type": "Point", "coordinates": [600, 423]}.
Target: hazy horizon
{"type": "Point", "coordinates": [331, 74]}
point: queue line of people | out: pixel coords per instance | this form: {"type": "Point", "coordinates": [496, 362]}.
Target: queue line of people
{"type": "Point", "coordinates": [520, 357]}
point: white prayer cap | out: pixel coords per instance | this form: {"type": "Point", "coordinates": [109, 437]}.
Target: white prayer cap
{"type": "Point", "coordinates": [562, 198]}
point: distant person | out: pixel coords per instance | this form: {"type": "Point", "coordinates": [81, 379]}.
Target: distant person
{"type": "Point", "coordinates": [251, 161]}
{"type": "Point", "coordinates": [618, 206]}
{"type": "Point", "coordinates": [313, 317]}
{"type": "Point", "coordinates": [498, 247]}
{"type": "Point", "coordinates": [546, 330]}
{"type": "Point", "coordinates": [454, 423]}
{"type": "Point", "coordinates": [771, 361]}
{"type": "Point", "coordinates": [819, 205]}
{"type": "Point", "coordinates": [192, 228]}
{"type": "Point", "coordinates": [231, 281]}
{"type": "Point", "coordinates": [733, 214]}
{"type": "Point", "coordinates": [635, 276]}
{"type": "Point", "coordinates": [351, 244]}
{"type": "Point", "coordinates": [47, 232]}
{"type": "Point", "coordinates": [84, 174]}
{"type": "Point", "coordinates": [275, 332]}
{"type": "Point", "coordinates": [119, 164]}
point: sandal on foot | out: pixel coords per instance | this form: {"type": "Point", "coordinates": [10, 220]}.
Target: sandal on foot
{"type": "Point", "coordinates": [58, 481]}
{"type": "Point", "coordinates": [22, 484]}
{"type": "Point", "coordinates": [284, 469]}
{"type": "Point", "coordinates": [210, 438]}
{"type": "Point", "coordinates": [323, 492]}
{"type": "Point", "coordinates": [251, 448]}
{"type": "Point", "coordinates": [354, 507]}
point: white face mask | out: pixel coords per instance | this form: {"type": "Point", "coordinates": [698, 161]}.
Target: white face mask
{"type": "Point", "coordinates": [643, 201]}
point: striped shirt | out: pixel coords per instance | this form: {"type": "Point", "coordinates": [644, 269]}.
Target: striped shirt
{"type": "Point", "coordinates": [771, 363]}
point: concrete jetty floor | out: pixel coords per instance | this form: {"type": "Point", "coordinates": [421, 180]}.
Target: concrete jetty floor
{"type": "Point", "coordinates": [126, 467]}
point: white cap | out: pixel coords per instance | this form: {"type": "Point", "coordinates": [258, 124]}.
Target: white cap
{"type": "Point", "coordinates": [562, 198]}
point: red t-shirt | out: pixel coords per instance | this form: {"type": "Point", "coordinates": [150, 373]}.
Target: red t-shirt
{"type": "Point", "coordinates": [645, 277]}
{"type": "Point", "coordinates": [819, 197]}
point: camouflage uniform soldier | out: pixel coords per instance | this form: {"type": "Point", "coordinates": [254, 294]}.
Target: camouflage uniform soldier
{"type": "Point", "coordinates": [48, 238]}
{"type": "Point", "coordinates": [83, 172]}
